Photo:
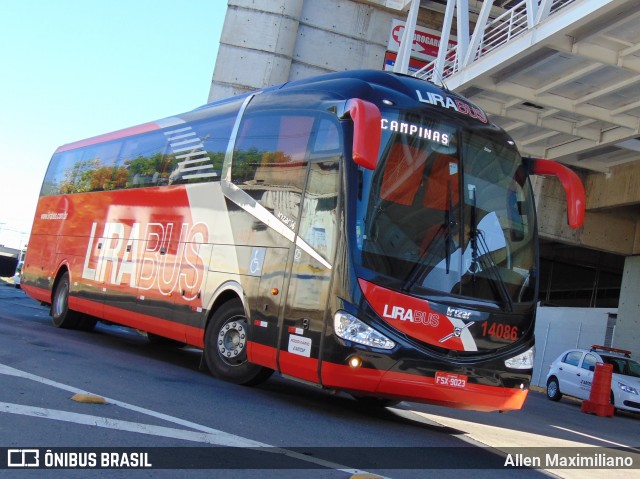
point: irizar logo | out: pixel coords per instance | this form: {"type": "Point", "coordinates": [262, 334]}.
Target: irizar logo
{"type": "Point", "coordinates": [410, 315]}
{"type": "Point", "coordinates": [458, 313]}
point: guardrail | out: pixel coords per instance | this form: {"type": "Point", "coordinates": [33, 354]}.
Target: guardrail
{"type": "Point", "coordinates": [494, 34]}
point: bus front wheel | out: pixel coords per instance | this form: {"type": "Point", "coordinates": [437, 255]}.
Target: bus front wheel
{"type": "Point", "coordinates": [226, 347]}
{"type": "Point", "coordinates": [61, 315]}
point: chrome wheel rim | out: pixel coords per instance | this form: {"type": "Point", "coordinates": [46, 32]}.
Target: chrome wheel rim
{"type": "Point", "coordinates": [232, 341]}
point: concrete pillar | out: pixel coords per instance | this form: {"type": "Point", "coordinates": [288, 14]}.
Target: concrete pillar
{"type": "Point", "coordinates": [256, 47]}
{"type": "Point", "coordinates": [268, 42]}
{"type": "Point", "coordinates": [627, 332]}
{"type": "Point", "coordinates": [336, 35]}
{"type": "Point", "coordinates": [619, 234]}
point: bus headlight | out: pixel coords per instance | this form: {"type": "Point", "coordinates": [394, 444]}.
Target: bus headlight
{"type": "Point", "coordinates": [351, 328]}
{"type": "Point", "coordinates": [522, 361]}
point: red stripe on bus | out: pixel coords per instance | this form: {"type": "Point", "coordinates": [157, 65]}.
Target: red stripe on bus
{"type": "Point", "coordinates": [39, 294]}
{"type": "Point", "coordinates": [194, 336]}
{"type": "Point", "coordinates": [299, 366]}
{"type": "Point", "coordinates": [134, 130]}
{"type": "Point", "coordinates": [144, 322]}
{"type": "Point", "coordinates": [422, 389]}
{"type": "Point", "coordinates": [360, 379]}
{"type": "Point", "coordinates": [291, 364]}
{"type": "Point", "coordinates": [261, 354]}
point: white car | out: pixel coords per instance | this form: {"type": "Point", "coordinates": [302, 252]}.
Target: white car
{"type": "Point", "coordinates": [572, 374]}
{"type": "Point", "coordinates": [17, 275]}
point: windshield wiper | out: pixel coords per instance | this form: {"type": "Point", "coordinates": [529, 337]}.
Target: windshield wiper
{"type": "Point", "coordinates": [444, 229]}
{"type": "Point", "coordinates": [487, 260]}
{"type": "Point", "coordinates": [476, 237]}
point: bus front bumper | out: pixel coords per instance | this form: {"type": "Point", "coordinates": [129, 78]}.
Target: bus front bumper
{"type": "Point", "coordinates": [424, 389]}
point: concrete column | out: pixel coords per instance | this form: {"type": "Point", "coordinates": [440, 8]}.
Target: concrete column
{"type": "Point", "coordinates": [268, 42]}
{"type": "Point", "coordinates": [627, 332]}
{"type": "Point", "coordinates": [602, 230]}
{"type": "Point", "coordinates": [337, 35]}
{"type": "Point", "coordinates": [256, 46]}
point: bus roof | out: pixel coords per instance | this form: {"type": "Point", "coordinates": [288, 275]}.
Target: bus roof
{"type": "Point", "coordinates": [373, 85]}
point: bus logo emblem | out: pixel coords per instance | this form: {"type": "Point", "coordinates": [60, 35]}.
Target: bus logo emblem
{"type": "Point", "coordinates": [411, 315]}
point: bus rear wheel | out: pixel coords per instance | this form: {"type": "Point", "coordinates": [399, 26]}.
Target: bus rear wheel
{"type": "Point", "coordinates": [61, 315]}
{"type": "Point", "coordinates": [225, 348]}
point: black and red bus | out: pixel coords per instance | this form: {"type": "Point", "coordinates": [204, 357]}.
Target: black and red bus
{"type": "Point", "coordinates": [363, 231]}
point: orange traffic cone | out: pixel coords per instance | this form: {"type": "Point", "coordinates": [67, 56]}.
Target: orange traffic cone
{"type": "Point", "coordinates": [598, 402]}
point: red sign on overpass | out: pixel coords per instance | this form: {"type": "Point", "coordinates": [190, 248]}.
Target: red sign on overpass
{"type": "Point", "coordinates": [426, 41]}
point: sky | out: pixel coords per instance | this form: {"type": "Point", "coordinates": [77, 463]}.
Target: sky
{"type": "Point", "coordinates": [72, 69]}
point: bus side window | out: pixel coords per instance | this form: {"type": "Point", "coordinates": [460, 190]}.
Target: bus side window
{"type": "Point", "coordinates": [319, 219]}
{"type": "Point", "coordinates": [59, 178]}
{"type": "Point", "coordinates": [197, 151]}
{"type": "Point", "coordinates": [215, 137]}
{"type": "Point", "coordinates": [270, 162]}
{"type": "Point", "coordinates": [97, 168]}
{"type": "Point", "coordinates": [88, 169]}
{"type": "Point", "coordinates": [142, 161]}
{"type": "Point", "coordinates": [327, 138]}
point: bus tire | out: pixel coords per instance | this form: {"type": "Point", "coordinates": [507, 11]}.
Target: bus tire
{"type": "Point", "coordinates": [61, 315]}
{"type": "Point", "coordinates": [225, 347]}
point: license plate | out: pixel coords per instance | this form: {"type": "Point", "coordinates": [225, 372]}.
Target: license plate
{"type": "Point", "coordinates": [451, 380]}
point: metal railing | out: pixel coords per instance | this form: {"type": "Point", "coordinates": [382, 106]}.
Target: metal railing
{"type": "Point", "coordinates": [496, 33]}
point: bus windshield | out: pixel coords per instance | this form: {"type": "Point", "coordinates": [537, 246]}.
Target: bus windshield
{"type": "Point", "coordinates": [448, 211]}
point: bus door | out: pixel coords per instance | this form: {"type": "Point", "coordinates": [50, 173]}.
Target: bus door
{"type": "Point", "coordinates": [290, 233]}
{"type": "Point", "coordinates": [304, 315]}
{"type": "Point", "coordinates": [268, 173]}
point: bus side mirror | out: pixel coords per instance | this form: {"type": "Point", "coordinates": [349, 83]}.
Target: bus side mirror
{"type": "Point", "coordinates": [573, 188]}
{"type": "Point", "coordinates": [367, 132]}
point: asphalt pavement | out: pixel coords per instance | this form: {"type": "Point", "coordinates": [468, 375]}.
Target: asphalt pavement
{"type": "Point", "coordinates": [540, 424]}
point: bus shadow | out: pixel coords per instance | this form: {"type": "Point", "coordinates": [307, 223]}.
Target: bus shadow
{"type": "Point", "coordinates": [541, 423]}
{"type": "Point", "coordinates": [342, 405]}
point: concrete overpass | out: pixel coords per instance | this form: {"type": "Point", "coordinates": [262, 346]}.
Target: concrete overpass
{"type": "Point", "coordinates": [563, 78]}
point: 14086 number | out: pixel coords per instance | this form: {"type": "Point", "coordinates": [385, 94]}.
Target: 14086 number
{"type": "Point", "coordinates": [500, 331]}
